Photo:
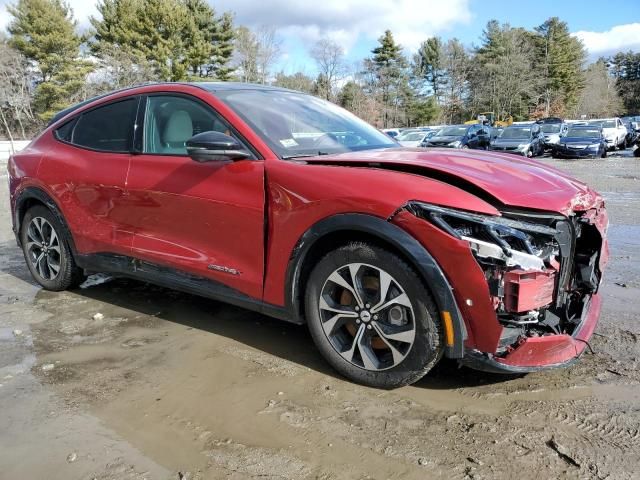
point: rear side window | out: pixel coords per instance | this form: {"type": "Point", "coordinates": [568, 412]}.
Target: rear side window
{"type": "Point", "coordinates": [108, 128]}
{"type": "Point", "coordinates": [64, 132]}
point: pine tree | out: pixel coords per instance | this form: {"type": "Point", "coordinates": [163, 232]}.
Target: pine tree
{"type": "Point", "coordinates": [428, 64]}
{"type": "Point", "coordinates": [181, 39]}
{"type": "Point", "coordinates": [222, 41]}
{"type": "Point", "coordinates": [391, 74]}
{"type": "Point", "coordinates": [44, 32]}
{"type": "Point", "coordinates": [563, 57]}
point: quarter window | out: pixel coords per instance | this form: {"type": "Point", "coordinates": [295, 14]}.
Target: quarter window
{"type": "Point", "coordinates": [108, 128]}
{"type": "Point", "coordinates": [170, 121]}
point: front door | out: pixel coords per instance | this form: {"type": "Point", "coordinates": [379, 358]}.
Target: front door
{"type": "Point", "coordinates": [206, 219]}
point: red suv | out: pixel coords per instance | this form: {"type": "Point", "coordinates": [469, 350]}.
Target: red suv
{"type": "Point", "coordinates": [290, 206]}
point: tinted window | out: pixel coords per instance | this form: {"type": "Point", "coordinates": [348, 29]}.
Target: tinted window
{"type": "Point", "coordinates": [64, 132]}
{"type": "Point", "coordinates": [108, 128]}
{"type": "Point", "coordinates": [171, 121]}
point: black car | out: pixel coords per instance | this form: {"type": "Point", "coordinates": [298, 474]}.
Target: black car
{"type": "Point", "coordinates": [582, 141]}
{"type": "Point", "coordinates": [526, 140]}
{"type": "Point", "coordinates": [461, 136]}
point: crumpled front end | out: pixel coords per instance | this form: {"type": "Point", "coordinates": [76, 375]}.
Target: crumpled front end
{"type": "Point", "coordinates": [542, 273]}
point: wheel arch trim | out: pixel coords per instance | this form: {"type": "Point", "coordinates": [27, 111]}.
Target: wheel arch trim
{"type": "Point", "coordinates": [387, 232]}
{"type": "Point", "coordinates": [36, 193]}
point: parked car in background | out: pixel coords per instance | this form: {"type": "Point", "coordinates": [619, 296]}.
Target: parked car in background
{"type": "Point", "coordinates": [413, 138]}
{"type": "Point", "coordinates": [632, 132]}
{"type": "Point", "coordinates": [392, 132]}
{"type": "Point", "coordinates": [552, 128]}
{"type": "Point", "coordinates": [288, 205]}
{"type": "Point", "coordinates": [615, 133]}
{"type": "Point", "coordinates": [461, 136]}
{"type": "Point", "coordinates": [581, 141]}
{"type": "Point", "coordinates": [521, 139]}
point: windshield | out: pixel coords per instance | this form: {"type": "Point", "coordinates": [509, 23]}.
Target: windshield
{"type": "Point", "coordinates": [515, 132]}
{"type": "Point", "coordinates": [584, 133]}
{"type": "Point", "coordinates": [295, 124]}
{"type": "Point", "coordinates": [453, 131]}
{"type": "Point", "coordinates": [550, 128]}
{"type": "Point", "coordinates": [411, 137]}
{"type": "Point", "coordinates": [604, 123]}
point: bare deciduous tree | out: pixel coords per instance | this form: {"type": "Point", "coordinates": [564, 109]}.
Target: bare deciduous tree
{"type": "Point", "coordinates": [269, 47]}
{"type": "Point", "coordinates": [329, 58]}
{"type": "Point", "coordinates": [16, 82]}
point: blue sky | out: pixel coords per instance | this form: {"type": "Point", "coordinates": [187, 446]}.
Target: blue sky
{"type": "Point", "coordinates": [605, 26]}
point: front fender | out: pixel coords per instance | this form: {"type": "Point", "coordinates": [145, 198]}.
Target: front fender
{"type": "Point", "coordinates": [404, 243]}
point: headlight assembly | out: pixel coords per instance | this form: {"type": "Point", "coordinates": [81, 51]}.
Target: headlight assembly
{"type": "Point", "coordinates": [514, 242]}
{"type": "Point", "coordinates": [455, 144]}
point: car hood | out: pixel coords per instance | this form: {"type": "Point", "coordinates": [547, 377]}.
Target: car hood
{"type": "Point", "coordinates": [509, 180]}
{"type": "Point", "coordinates": [446, 138]}
{"type": "Point", "coordinates": [579, 140]}
{"type": "Point", "coordinates": [511, 142]}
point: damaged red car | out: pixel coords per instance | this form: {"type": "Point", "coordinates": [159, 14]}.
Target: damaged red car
{"type": "Point", "coordinates": [287, 205]}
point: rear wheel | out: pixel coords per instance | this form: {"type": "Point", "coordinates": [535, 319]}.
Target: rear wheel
{"type": "Point", "coordinates": [47, 252]}
{"type": "Point", "coordinates": [372, 318]}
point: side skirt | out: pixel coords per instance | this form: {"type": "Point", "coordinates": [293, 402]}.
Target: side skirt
{"type": "Point", "coordinates": [179, 280]}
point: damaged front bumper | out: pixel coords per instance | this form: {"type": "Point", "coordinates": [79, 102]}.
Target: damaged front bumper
{"type": "Point", "coordinates": [541, 274]}
{"type": "Point", "coordinates": [540, 353]}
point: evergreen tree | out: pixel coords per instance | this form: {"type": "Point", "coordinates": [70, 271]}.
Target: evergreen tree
{"type": "Point", "coordinates": [44, 32]}
{"type": "Point", "coordinates": [625, 68]}
{"type": "Point", "coordinates": [390, 70]}
{"type": "Point", "coordinates": [563, 58]}
{"type": "Point", "coordinates": [180, 38]}
{"type": "Point", "coordinates": [428, 65]}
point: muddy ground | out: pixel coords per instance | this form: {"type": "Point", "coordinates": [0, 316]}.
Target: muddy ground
{"type": "Point", "coordinates": [164, 385]}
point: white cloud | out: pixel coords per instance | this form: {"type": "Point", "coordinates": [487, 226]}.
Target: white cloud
{"type": "Point", "coordinates": [346, 21]}
{"type": "Point", "coordinates": [619, 38]}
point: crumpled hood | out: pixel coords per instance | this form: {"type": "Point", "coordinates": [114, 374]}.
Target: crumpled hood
{"type": "Point", "coordinates": [512, 181]}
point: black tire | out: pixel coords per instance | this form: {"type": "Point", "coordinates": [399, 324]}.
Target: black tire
{"type": "Point", "coordinates": [428, 345]}
{"type": "Point", "coordinates": [604, 153]}
{"type": "Point", "coordinates": [69, 274]}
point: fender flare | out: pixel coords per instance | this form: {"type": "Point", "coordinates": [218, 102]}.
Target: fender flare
{"type": "Point", "coordinates": [408, 246]}
{"type": "Point", "coordinates": [36, 193]}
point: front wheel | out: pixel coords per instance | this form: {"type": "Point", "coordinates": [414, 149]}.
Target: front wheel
{"type": "Point", "coordinates": [47, 251]}
{"type": "Point", "coordinates": [372, 318]}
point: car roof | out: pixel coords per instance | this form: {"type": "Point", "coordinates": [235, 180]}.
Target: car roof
{"type": "Point", "coordinates": [209, 86]}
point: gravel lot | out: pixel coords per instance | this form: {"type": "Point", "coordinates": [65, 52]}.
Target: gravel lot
{"type": "Point", "coordinates": [163, 385]}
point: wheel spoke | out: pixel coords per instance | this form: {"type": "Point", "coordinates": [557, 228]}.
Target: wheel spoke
{"type": "Point", "coordinates": [385, 283]}
{"type": "Point", "coordinates": [401, 299]}
{"type": "Point", "coordinates": [39, 264]}
{"type": "Point", "coordinates": [329, 326]}
{"type": "Point", "coordinates": [352, 329]}
{"type": "Point", "coordinates": [404, 335]}
{"type": "Point", "coordinates": [336, 278]}
{"type": "Point", "coordinates": [397, 356]}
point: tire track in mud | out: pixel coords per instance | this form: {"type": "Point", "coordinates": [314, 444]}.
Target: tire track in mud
{"type": "Point", "coordinates": [602, 443]}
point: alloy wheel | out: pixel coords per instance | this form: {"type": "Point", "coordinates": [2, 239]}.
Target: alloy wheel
{"type": "Point", "coordinates": [367, 316]}
{"type": "Point", "coordinates": [43, 248]}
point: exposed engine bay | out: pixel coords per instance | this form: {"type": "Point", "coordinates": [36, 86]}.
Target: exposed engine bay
{"type": "Point", "coordinates": [541, 269]}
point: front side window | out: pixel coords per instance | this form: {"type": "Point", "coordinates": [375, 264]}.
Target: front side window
{"type": "Point", "coordinates": [108, 128]}
{"type": "Point", "coordinates": [172, 120]}
{"type": "Point", "coordinates": [295, 124]}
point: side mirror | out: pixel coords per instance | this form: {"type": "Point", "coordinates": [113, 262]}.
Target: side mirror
{"type": "Point", "coordinates": [215, 147]}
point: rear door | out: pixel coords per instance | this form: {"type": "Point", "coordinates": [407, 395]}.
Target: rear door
{"type": "Point", "coordinates": [206, 219]}
{"type": "Point", "coordinates": [86, 169]}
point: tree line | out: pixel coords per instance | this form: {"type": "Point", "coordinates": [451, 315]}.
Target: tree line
{"type": "Point", "coordinates": [47, 63]}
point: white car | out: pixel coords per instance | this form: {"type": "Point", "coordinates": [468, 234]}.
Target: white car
{"type": "Point", "coordinates": [412, 138]}
{"type": "Point", "coordinates": [613, 130]}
